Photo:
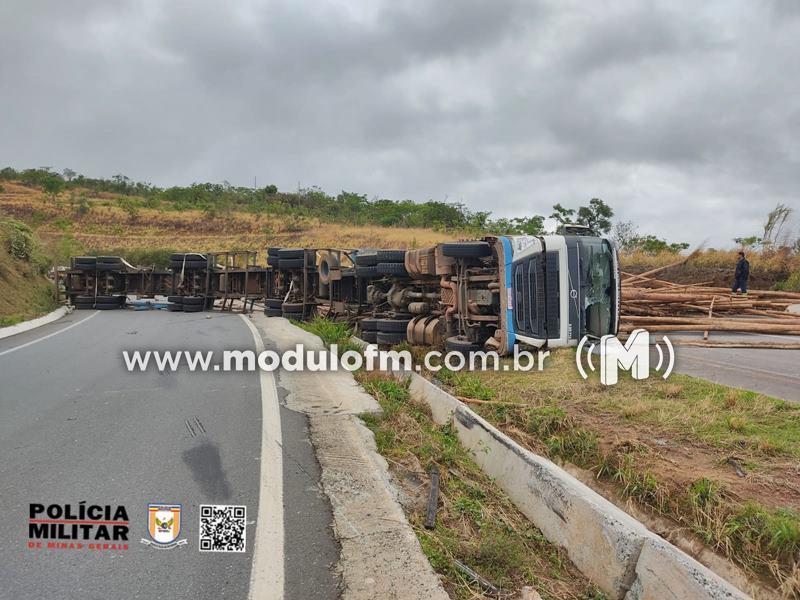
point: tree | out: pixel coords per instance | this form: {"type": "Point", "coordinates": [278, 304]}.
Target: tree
{"type": "Point", "coordinates": [748, 242]}
{"type": "Point", "coordinates": [624, 233]}
{"type": "Point", "coordinates": [776, 219]}
{"type": "Point", "coordinates": [69, 174]}
{"type": "Point", "coordinates": [52, 186]}
{"type": "Point", "coordinates": [650, 244]}
{"type": "Point", "coordinates": [562, 215]}
{"type": "Point", "coordinates": [597, 215]}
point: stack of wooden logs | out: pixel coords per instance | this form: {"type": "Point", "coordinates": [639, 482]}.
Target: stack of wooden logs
{"type": "Point", "coordinates": [659, 306]}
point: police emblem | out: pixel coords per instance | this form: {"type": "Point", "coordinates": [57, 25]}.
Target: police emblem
{"type": "Point", "coordinates": [164, 525]}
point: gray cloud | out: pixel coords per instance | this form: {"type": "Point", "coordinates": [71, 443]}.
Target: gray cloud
{"type": "Point", "coordinates": [684, 117]}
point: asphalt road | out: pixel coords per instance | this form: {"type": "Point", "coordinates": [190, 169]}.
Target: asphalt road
{"type": "Point", "coordinates": [768, 371]}
{"type": "Point", "coordinates": [76, 426]}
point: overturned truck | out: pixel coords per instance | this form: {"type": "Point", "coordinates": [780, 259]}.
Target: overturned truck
{"type": "Point", "coordinates": [485, 294]}
{"type": "Point", "coordinates": [543, 291]}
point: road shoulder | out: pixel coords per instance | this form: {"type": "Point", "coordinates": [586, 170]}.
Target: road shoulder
{"type": "Point", "coordinates": [380, 554]}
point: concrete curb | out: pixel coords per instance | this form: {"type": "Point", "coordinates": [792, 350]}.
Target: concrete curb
{"type": "Point", "coordinates": [33, 323]}
{"type": "Point", "coordinates": [617, 552]}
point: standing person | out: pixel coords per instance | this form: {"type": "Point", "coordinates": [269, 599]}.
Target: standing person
{"type": "Point", "coordinates": [742, 274]}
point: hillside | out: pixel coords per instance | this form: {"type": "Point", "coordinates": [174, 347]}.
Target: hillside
{"type": "Point", "coordinates": [25, 292]}
{"type": "Point", "coordinates": [80, 222]}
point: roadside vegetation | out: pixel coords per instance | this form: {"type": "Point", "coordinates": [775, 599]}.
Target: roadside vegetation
{"type": "Point", "coordinates": [720, 462]}
{"type": "Point", "coordinates": [476, 524]}
{"type": "Point", "coordinates": [25, 292]}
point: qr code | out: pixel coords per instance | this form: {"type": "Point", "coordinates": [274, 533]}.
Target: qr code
{"type": "Point", "coordinates": [222, 528]}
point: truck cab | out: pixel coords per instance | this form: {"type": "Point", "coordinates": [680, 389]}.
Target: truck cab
{"type": "Point", "coordinates": [559, 288]}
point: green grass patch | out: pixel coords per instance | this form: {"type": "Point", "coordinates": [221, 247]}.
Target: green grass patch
{"type": "Point", "coordinates": [476, 523]}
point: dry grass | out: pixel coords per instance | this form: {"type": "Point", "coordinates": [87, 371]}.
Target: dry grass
{"type": "Point", "coordinates": [107, 225]}
{"type": "Point", "coordinates": [477, 524]}
{"type": "Point", "coordinates": [721, 462]}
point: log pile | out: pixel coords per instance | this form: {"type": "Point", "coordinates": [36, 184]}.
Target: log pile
{"type": "Point", "coordinates": [660, 306]}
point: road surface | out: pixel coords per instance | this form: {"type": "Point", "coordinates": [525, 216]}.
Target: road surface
{"type": "Point", "coordinates": [768, 371]}
{"type": "Point", "coordinates": [76, 426]}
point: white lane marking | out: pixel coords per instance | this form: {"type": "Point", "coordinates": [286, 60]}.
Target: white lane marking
{"type": "Point", "coordinates": [266, 575]}
{"type": "Point", "coordinates": [49, 335]}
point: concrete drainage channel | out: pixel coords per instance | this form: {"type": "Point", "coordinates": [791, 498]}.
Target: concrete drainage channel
{"type": "Point", "coordinates": [617, 552]}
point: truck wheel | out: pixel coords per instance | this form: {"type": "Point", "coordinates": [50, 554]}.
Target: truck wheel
{"type": "Point", "coordinates": [466, 249]}
{"type": "Point", "coordinates": [292, 307]}
{"type": "Point", "coordinates": [189, 265]}
{"type": "Point", "coordinates": [461, 344]}
{"type": "Point", "coordinates": [175, 299]}
{"type": "Point", "coordinates": [327, 263]}
{"type": "Point", "coordinates": [371, 337]}
{"type": "Point", "coordinates": [392, 325]}
{"type": "Point", "coordinates": [392, 268]}
{"type": "Point", "coordinates": [294, 316]}
{"type": "Point", "coordinates": [192, 307]}
{"type": "Point", "coordinates": [391, 256]}
{"type": "Point", "coordinates": [367, 272]}
{"type": "Point", "coordinates": [369, 325]}
{"type": "Point", "coordinates": [273, 312]}
{"type": "Point", "coordinates": [290, 263]}
{"type": "Point", "coordinates": [284, 253]}
{"type": "Point", "coordinates": [273, 303]}
{"type": "Point", "coordinates": [367, 258]}
{"type": "Point", "coordinates": [193, 300]}
{"type": "Point", "coordinates": [390, 338]}
{"type": "Point", "coordinates": [175, 306]}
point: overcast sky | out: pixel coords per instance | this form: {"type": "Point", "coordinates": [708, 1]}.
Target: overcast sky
{"type": "Point", "coordinates": [684, 116]}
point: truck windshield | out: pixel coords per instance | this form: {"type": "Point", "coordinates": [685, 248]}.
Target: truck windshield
{"type": "Point", "coordinates": [597, 280]}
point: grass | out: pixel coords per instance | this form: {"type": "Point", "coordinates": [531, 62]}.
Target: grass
{"type": "Point", "coordinates": [557, 414]}
{"type": "Point", "coordinates": [103, 221]}
{"type": "Point", "coordinates": [727, 418]}
{"type": "Point", "coordinates": [477, 524]}
{"type": "Point", "coordinates": [25, 293]}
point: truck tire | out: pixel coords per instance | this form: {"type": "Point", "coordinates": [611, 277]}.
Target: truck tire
{"type": "Point", "coordinates": [392, 268]}
{"type": "Point", "coordinates": [175, 299]}
{"type": "Point", "coordinates": [390, 338]}
{"type": "Point", "coordinates": [175, 306]}
{"type": "Point", "coordinates": [391, 256]}
{"type": "Point", "coordinates": [192, 307]}
{"type": "Point", "coordinates": [367, 258]}
{"type": "Point", "coordinates": [293, 316]}
{"type": "Point", "coordinates": [292, 307]}
{"type": "Point", "coordinates": [291, 253]}
{"type": "Point", "coordinates": [193, 300]}
{"type": "Point", "coordinates": [273, 312]}
{"type": "Point", "coordinates": [107, 306]}
{"type": "Point", "coordinates": [461, 344]}
{"type": "Point", "coordinates": [118, 300]}
{"type": "Point", "coordinates": [181, 256]}
{"type": "Point", "coordinates": [189, 265]}
{"type": "Point", "coordinates": [371, 337]}
{"type": "Point", "coordinates": [327, 263]}
{"type": "Point", "coordinates": [367, 272]}
{"type": "Point", "coordinates": [369, 324]}
{"type": "Point", "coordinates": [290, 263]}
{"type": "Point", "coordinates": [392, 325]}
{"type": "Point", "coordinates": [466, 249]}
{"type": "Point", "coordinates": [273, 303]}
